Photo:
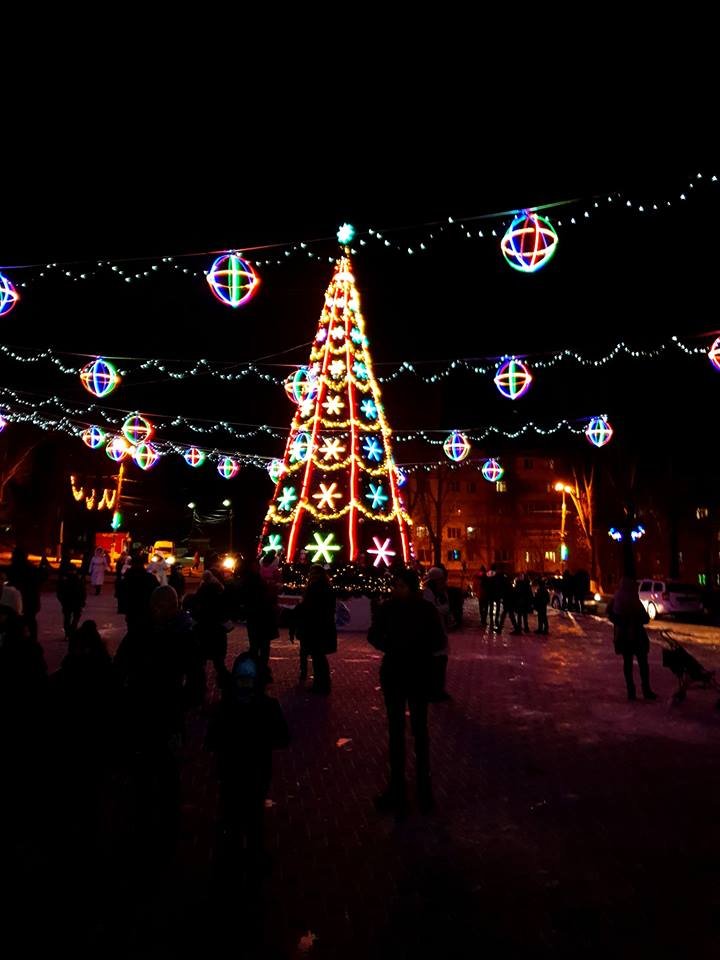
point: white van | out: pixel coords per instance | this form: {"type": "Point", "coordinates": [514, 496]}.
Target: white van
{"type": "Point", "coordinates": [663, 597]}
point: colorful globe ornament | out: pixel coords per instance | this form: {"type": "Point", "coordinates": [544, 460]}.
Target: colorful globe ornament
{"type": "Point", "coordinates": [513, 378]}
{"type": "Point", "coordinates": [457, 447]}
{"type": "Point", "coordinates": [8, 295]}
{"type": "Point", "coordinates": [228, 468]}
{"type": "Point", "coordinates": [232, 280]}
{"type": "Point", "coordinates": [529, 243]}
{"type": "Point", "coordinates": [599, 432]}
{"type": "Point", "coordinates": [194, 457]}
{"type": "Point", "coordinates": [137, 429]}
{"type": "Point", "coordinates": [301, 385]}
{"type": "Point", "coordinates": [713, 353]}
{"type": "Point", "coordinates": [3, 423]}
{"type": "Point", "coordinates": [93, 437]}
{"type": "Point", "coordinates": [276, 469]}
{"type": "Point", "coordinates": [146, 456]}
{"type": "Point", "coordinates": [99, 377]}
{"type": "Point", "coordinates": [492, 471]}
{"type": "Point", "coordinates": [117, 448]}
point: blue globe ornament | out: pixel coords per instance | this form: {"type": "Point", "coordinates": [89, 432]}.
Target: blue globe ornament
{"type": "Point", "coordinates": [232, 280]}
{"type": "Point", "coordinates": [492, 471]}
{"type": "Point", "coordinates": [599, 432]}
{"type": "Point", "coordinates": [8, 295]}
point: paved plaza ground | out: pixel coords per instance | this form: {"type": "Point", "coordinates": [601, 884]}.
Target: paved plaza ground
{"type": "Point", "coordinates": [569, 823]}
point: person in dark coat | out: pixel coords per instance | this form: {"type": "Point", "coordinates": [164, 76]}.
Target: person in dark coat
{"type": "Point", "coordinates": [208, 609]}
{"type": "Point", "coordinates": [481, 588]}
{"type": "Point", "coordinates": [541, 599]}
{"type": "Point", "coordinates": [136, 589]}
{"type": "Point", "coordinates": [160, 676]}
{"type": "Point", "coordinates": [71, 593]}
{"type": "Point", "coordinates": [523, 602]}
{"type": "Point", "coordinates": [629, 617]}
{"type": "Point", "coordinates": [259, 599]}
{"type": "Point", "coordinates": [505, 603]}
{"type": "Point", "coordinates": [27, 579]}
{"type": "Point", "coordinates": [314, 625]}
{"type": "Point", "coordinates": [407, 630]}
{"type": "Point", "coordinates": [568, 591]}
{"type": "Point", "coordinates": [243, 731]}
{"type": "Point", "coordinates": [177, 581]}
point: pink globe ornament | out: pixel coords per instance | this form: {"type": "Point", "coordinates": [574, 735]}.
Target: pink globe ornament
{"type": "Point", "coordinates": [93, 437]}
{"type": "Point", "coordinates": [714, 354]}
{"type": "Point", "coordinates": [529, 243]}
{"type": "Point", "coordinates": [8, 295]}
{"type": "Point", "coordinates": [513, 378]}
{"type": "Point", "coordinates": [457, 447]}
{"type": "Point", "coordinates": [492, 471]}
{"type": "Point", "coordinates": [599, 432]}
{"type": "Point", "coordinates": [232, 280]}
{"type": "Point", "coordinates": [228, 468]}
{"type": "Point", "coordinates": [137, 429]}
{"type": "Point", "coordinates": [146, 456]}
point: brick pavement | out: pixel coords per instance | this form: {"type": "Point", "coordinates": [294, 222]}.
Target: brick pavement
{"type": "Point", "coordinates": [570, 822]}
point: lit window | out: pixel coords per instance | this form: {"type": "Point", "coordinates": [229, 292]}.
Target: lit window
{"type": "Point", "coordinates": [701, 513]}
{"type": "Point", "coordinates": [550, 555]}
{"type": "Point", "coordinates": [501, 486]}
{"type": "Point", "coordinates": [454, 533]}
{"type": "Point", "coordinates": [471, 533]}
{"type": "Point", "coordinates": [421, 532]}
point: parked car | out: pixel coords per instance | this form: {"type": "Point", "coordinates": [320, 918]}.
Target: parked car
{"type": "Point", "coordinates": [666, 598]}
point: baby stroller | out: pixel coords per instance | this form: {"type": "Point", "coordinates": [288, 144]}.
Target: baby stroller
{"type": "Point", "coordinates": [689, 671]}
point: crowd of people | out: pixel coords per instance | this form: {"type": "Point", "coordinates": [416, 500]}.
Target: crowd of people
{"type": "Point", "coordinates": [125, 715]}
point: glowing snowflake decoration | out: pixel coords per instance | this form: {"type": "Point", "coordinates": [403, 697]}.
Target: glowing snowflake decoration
{"type": "Point", "coordinates": [333, 405]}
{"type": "Point", "coordinates": [382, 552]}
{"type": "Point", "coordinates": [370, 409]}
{"type": "Point", "coordinates": [288, 497]}
{"type": "Point", "coordinates": [323, 549]}
{"type": "Point", "coordinates": [326, 496]}
{"type": "Point", "coordinates": [332, 448]}
{"type": "Point", "coordinates": [338, 332]}
{"type": "Point", "coordinates": [377, 496]}
{"type": "Point", "coordinates": [360, 370]}
{"type": "Point", "coordinates": [373, 450]}
{"type": "Point", "coordinates": [321, 335]}
{"type": "Point", "coordinates": [274, 543]}
{"type": "Point", "coordinates": [355, 335]}
{"type": "Point", "coordinates": [337, 369]}
{"type": "Point", "coordinates": [345, 233]}
{"type": "Point", "coordinates": [307, 407]}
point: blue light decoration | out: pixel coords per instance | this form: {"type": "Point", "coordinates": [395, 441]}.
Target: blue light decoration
{"type": "Point", "coordinates": [232, 280]}
{"type": "Point", "coordinates": [3, 423]}
{"type": "Point", "coordinates": [99, 377]}
{"type": "Point", "coordinates": [492, 471]}
{"type": "Point", "coordinates": [301, 385]}
{"type": "Point", "coordinates": [228, 468]}
{"type": "Point", "coordinates": [117, 520]}
{"type": "Point", "coordinates": [635, 534]}
{"type": "Point", "coordinates": [301, 448]}
{"type": "Point", "coordinates": [457, 446]}
{"type": "Point", "coordinates": [400, 477]}
{"type": "Point", "coordinates": [529, 243]}
{"type": "Point", "coordinates": [378, 497]}
{"type": "Point", "coordinates": [287, 498]}
{"type": "Point", "coordinates": [194, 457]}
{"type": "Point", "coordinates": [513, 378]}
{"type": "Point", "coordinates": [373, 450]}
{"type": "Point", "coordinates": [564, 552]}
{"type": "Point", "coordinates": [369, 408]}
{"type": "Point", "coordinates": [599, 432]}
{"type": "Point", "coordinates": [93, 437]}
{"type": "Point", "coordinates": [274, 544]}
{"type": "Point", "coordinates": [8, 295]}
{"type": "Point", "coordinates": [345, 233]}
{"type": "Point", "coordinates": [361, 371]}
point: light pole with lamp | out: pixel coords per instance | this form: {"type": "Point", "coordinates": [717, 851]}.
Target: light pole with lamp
{"type": "Point", "coordinates": [563, 488]}
{"type": "Point", "coordinates": [228, 506]}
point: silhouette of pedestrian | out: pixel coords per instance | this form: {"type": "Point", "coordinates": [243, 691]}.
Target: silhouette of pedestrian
{"type": "Point", "coordinates": [27, 579]}
{"type": "Point", "coordinates": [407, 630]}
{"type": "Point", "coordinates": [97, 569]}
{"type": "Point", "coordinates": [243, 731]}
{"type": "Point", "coordinates": [505, 604]}
{"type": "Point", "coordinates": [482, 590]}
{"type": "Point", "coordinates": [71, 594]}
{"type": "Point", "coordinates": [629, 616]}
{"type": "Point", "coordinates": [259, 599]}
{"type": "Point", "coordinates": [541, 599]}
{"type": "Point", "coordinates": [523, 601]}
{"type": "Point", "coordinates": [313, 623]}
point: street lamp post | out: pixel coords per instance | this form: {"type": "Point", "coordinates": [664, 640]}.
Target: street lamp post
{"type": "Point", "coordinates": [563, 488]}
{"type": "Point", "coordinates": [228, 506]}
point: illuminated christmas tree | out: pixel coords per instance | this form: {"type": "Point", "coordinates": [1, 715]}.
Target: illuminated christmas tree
{"type": "Point", "coordinates": [337, 492]}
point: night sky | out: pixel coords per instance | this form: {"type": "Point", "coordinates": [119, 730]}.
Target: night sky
{"type": "Point", "coordinates": [162, 191]}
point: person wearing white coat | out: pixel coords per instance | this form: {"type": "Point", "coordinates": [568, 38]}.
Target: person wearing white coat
{"type": "Point", "coordinates": [98, 569]}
